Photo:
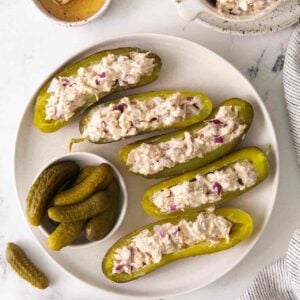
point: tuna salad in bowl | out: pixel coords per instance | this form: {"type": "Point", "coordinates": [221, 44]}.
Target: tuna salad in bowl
{"type": "Point", "coordinates": [231, 10]}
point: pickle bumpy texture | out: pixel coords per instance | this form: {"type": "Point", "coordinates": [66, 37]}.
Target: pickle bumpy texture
{"type": "Point", "coordinates": [89, 208]}
{"type": "Point", "coordinates": [18, 260]}
{"type": "Point", "coordinates": [99, 226]}
{"type": "Point", "coordinates": [65, 234]}
{"type": "Point", "coordinates": [97, 180]}
{"type": "Point", "coordinates": [45, 187]}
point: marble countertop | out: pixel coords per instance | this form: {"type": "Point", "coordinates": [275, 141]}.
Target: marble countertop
{"type": "Point", "coordinates": [32, 46]}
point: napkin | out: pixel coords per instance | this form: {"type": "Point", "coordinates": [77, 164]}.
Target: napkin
{"type": "Point", "coordinates": [281, 279]}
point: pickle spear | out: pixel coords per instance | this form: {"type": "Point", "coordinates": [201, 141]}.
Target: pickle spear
{"type": "Point", "coordinates": [98, 179]}
{"type": "Point", "coordinates": [18, 260]}
{"type": "Point", "coordinates": [45, 187]}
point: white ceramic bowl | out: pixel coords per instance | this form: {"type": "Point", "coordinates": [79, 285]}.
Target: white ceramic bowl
{"type": "Point", "coordinates": [84, 159]}
{"type": "Point", "coordinates": [98, 14]}
{"type": "Point", "coordinates": [190, 9]}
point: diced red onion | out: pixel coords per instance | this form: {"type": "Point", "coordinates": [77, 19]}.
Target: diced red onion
{"type": "Point", "coordinates": [120, 107]}
{"type": "Point", "coordinates": [216, 122]}
{"type": "Point", "coordinates": [65, 81]}
{"type": "Point", "coordinates": [218, 139]}
{"type": "Point", "coordinates": [102, 75]}
{"type": "Point", "coordinates": [217, 187]}
{"type": "Point", "coordinates": [173, 207]}
{"type": "Point", "coordinates": [153, 119]}
{"type": "Point", "coordinates": [161, 233]}
{"type": "Point", "coordinates": [119, 267]}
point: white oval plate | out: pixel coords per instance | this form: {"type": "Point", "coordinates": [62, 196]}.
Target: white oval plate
{"type": "Point", "coordinates": [186, 65]}
{"type": "Point", "coordinates": [283, 17]}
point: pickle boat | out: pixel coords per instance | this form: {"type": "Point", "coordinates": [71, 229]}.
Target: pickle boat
{"type": "Point", "coordinates": [78, 86]}
{"type": "Point", "coordinates": [193, 147]}
{"type": "Point", "coordinates": [130, 258]}
{"type": "Point", "coordinates": [213, 184]}
{"type": "Point", "coordinates": [142, 113]}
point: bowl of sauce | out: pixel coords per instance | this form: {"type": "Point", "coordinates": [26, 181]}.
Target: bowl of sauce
{"type": "Point", "coordinates": [72, 12]}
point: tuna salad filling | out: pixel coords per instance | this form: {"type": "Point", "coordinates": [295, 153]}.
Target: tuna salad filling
{"type": "Point", "coordinates": [69, 93]}
{"type": "Point", "coordinates": [129, 117]}
{"type": "Point", "coordinates": [243, 7]}
{"type": "Point", "coordinates": [150, 246]}
{"type": "Point", "coordinates": [206, 189]}
{"type": "Point", "coordinates": [152, 158]}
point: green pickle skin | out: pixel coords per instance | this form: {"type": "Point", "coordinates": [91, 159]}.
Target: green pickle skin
{"type": "Point", "coordinates": [98, 227]}
{"type": "Point", "coordinates": [42, 98]}
{"type": "Point", "coordinates": [45, 187]}
{"type": "Point", "coordinates": [65, 234]}
{"type": "Point", "coordinates": [98, 179]}
{"type": "Point", "coordinates": [255, 155]}
{"type": "Point", "coordinates": [242, 229]}
{"type": "Point", "coordinates": [245, 116]}
{"type": "Point", "coordinates": [84, 173]}
{"type": "Point", "coordinates": [89, 208]}
{"type": "Point", "coordinates": [204, 101]}
{"type": "Point", "coordinates": [21, 264]}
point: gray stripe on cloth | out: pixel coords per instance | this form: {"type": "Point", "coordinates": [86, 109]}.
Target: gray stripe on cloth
{"type": "Point", "coordinates": [272, 283]}
{"type": "Point", "coordinates": [281, 279]}
{"type": "Point", "coordinates": [291, 83]}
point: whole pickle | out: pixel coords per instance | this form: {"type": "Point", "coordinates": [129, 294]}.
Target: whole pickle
{"type": "Point", "coordinates": [45, 187]}
{"type": "Point", "coordinates": [99, 226]}
{"type": "Point", "coordinates": [21, 264]}
{"type": "Point", "coordinates": [98, 179]}
{"type": "Point", "coordinates": [84, 173]}
{"type": "Point", "coordinates": [65, 234]}
{"type": "Point", "coordinates": [89, 208]}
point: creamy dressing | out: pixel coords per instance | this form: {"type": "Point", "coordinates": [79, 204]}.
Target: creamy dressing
{"type": "Point", "coordinates": [67, 94]}
{"type": "Point", "coordinates": [150, 246]}
{"type": "Point", "coordinates": [206, 189]}
{"type": "Point", "coordinates": [151, 158]}
{"type": "Point", "coordinates": [129, 117]}
{"type": "Point", "coordinates": [243, 7]}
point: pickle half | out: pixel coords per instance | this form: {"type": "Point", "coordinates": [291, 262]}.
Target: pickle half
{"type": "Point", "coordinates": [242, 227]}
{"type": "Point", "coordinates": [245, 117]}
{"type": "Point", "coordinates": [43, 96]}
{"type": "Point", "coordinates": [204, 105]}
{"type": "Point", "coordinates": [254, 155]}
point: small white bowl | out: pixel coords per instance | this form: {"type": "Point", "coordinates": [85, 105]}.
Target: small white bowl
{"type": "Point", "coordinates": [190, 9]}
{"type": "Point", "coordinates": [84, 159]}
{"type": "Point", "coordinates": [96, 15]}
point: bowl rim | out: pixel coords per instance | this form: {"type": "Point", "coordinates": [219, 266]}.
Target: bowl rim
{"type": "Point", "coordinates": [58, 21]}
{"type": "Point", "coordinates": [119, 177]}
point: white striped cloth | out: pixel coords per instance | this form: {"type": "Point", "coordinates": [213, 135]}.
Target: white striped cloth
{"type": "Point", "coordinates": [281, 279]}
{"type": "Point", "coordinates": [291, 82]}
